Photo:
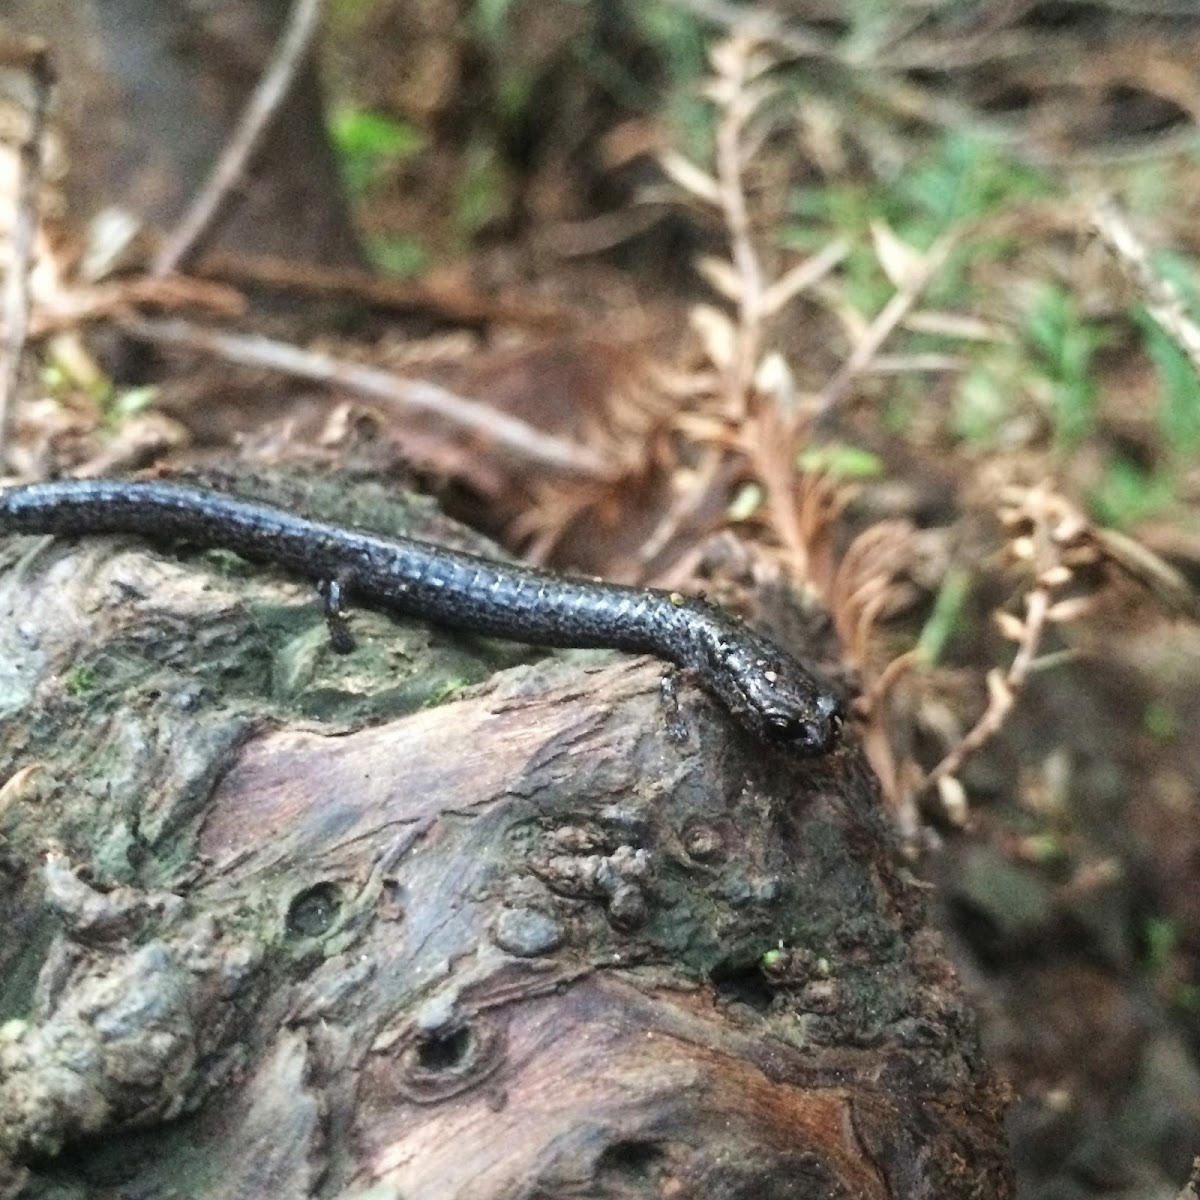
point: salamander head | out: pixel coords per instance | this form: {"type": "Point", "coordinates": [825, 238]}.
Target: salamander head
{"type": "Point", "coordinates": [774, 697]}
{"type": "Point", "coordinates": [808, 721]}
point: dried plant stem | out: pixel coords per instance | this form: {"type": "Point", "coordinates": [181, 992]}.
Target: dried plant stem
{"type": "Point", "coordinates": [73, 307]}
{"type": "Point", "coordinates": [1003, 690]}
{"type": "Point", "coordinates": [451, 301]}
{"type": "Point", "coordinates": [881, 328]}
{"type": "Point", "coordinates": [872, 700]}
{"type": "Point", "coordinates": [1162, 299]}
{"type": "Point", "coordinates": [521, 440]}
{"type": "Point", "coordinates": [294, 45]}
{"type": "Point", "coordinates": [33, 56]}
{"type": "Point", "coordinates": [709, 480]}
{"type": "Point", "coordinates": [731, 151]}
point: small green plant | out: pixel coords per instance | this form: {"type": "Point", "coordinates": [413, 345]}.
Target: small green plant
{"type": "Point", "coordinates": [946, 619]}
{"type": "Point", "coordinates": [1161, 943]}
{"type": "Point", "coordinates": [66, 375]}
{"type": "Point", "coordinates": [1178, 391]}
{"type": "Point", "coordinates": [1128, 493]}
{"type": "Point", "coordinates": [369, 145]}
{"type": "Point", "coordinates": [1062, 346]}
{"type": "Point", "coordinates": [963, 180]}
{"type": "Point", "coordinates": [1160, 936]}
{"type": "Point", "coordinates": [840, 461]}
{"type": "Point", "coordinates": [81, 681]}
{"type": "Point", "coordinates": [966, 179]}
{"type": "Point", "coordinates": [123, 403]}
{"type": "Point", "coordinates": [987, 397]}
{"type": "Point", "coordinates": [483, 190]}
{"type": "Point", "coordinates": [398, 255]}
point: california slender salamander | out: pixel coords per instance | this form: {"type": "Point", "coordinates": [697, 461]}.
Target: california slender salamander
{"type": "Point", "coordinates": [763, 687]}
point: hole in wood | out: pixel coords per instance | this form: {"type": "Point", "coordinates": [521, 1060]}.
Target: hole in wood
{"type": "Point", "coordinates": [446, 1052]}
{"type": "Point", "coordinates": [313, 911]}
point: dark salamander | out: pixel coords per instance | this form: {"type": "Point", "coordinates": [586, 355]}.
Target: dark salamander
{"type": "Point", "coordinates": [766, 690]}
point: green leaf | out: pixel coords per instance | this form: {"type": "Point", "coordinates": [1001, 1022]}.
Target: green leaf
{"type": "Point", "coordinates": [1065, 344]}
{"type": "Point", "coordinates": [984, 404]}
{"type": "Point", "coordinates": [845, 462]}
{"type": "Point", "coordinates": [1179, 389]}
{"type": "Point", "coordinates": [128, 402]}
{"type": "Point", "coordinates": [1127, 494]}
{"type": "Point", "coordinates": [946, 617]}
{"type": "Point", "coordinates": [483, 191]}
{"type": "Point", "coordinates": [403, 257]}
{"type": "Point", "coordinates": [369, 144]}
{"type": "Point", "coordinates": [1161, 936]}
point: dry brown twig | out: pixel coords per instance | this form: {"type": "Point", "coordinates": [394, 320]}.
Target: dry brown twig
{"type": "Point", "coordinates": [71, 307]}
{"type": "Point", "coordinates": [1052, 540]}
{"type": "Point", "coordinates": [32, 56]}
{"type": "Point", "coordinates": [1049, 536]}
{"type": "Point", "coordinates": [911, 278]}
{"type": "Point", "coordinates": [517, 438]}
{"type": "Point", "coordinates": [801, 507]}
{"type": "Point", "coordinates": [1161, 297]}
{"type": "Point", "coordinates": [753, 397]}
{"type": "Point", "coordinates": [456, 302]}
{"type": "Point", "coordinates": [230, 168]}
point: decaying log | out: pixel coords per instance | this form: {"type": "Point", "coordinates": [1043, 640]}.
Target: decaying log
{"type": "Point", "coordinates": [438, 919]}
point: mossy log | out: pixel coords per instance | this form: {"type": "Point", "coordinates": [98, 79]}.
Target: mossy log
{"type": "Point", "coordinates": [441, 918]}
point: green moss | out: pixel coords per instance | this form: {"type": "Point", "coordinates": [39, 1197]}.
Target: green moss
{"type": "Point", "coordinates": [81, 681]}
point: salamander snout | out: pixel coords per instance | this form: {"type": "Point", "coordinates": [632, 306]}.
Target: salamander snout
{"type": "Point", "coordinates": [810, 728]}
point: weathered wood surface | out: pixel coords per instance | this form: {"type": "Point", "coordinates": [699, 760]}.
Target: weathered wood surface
{"type": "Point", "coordinates": [439, 919]}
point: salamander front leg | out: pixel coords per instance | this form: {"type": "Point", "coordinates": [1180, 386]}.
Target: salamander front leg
{"type": "Point", "coordinates": [341, 639]}
{"type": "Point", "coordinates": [668, 690]}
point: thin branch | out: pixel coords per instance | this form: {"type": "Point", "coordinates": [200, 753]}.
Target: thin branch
{"type": "Point", "coordinates": [519, 439]}
{"type": "Point", "coordinates": [292, 50]}
{"type": "Point", "coordinates": [1162, 299]}
{"type": "Point", "coordinates": [931, 362]}
{"type": "Point", "coordinates": [458, 302]}
{"type": "Point", "coordinates": [740, 99]}
{"type": "Point", "coordinates": [1003, 690]}
{"type": "Point", "coordinates": [71, 307]}
{"type": "Point", "coordinates": [874, 698]}
{"type": "Point", "coordinates": [1055, 531]}
{"type": "Point", "coordinates": [881, 328]}
{"type": "Point", "coordinates": [709, 482]}
{"type": "Point", "coordinates": [33, 55]}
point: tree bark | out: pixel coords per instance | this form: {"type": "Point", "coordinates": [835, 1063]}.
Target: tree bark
{"type": "Point", "coordinates": [440, 918]}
